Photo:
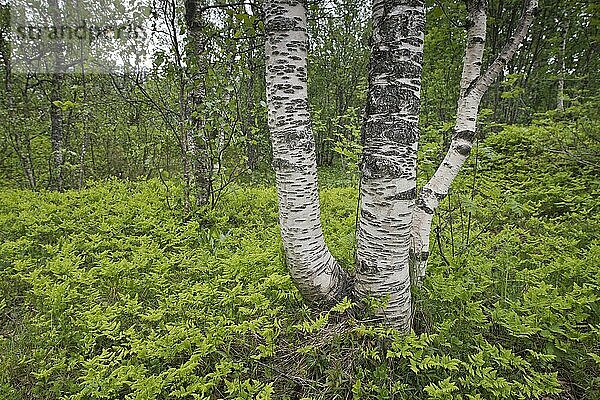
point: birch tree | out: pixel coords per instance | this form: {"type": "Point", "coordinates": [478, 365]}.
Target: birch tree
{"type": "Point", "coordinates": [196, 144]}
{"type": "Point", "coordinates": [389, 165]}
{"type": "Point", "coordinates": [473, 86]}
{"type": "Point", "coordinates": [560, 98]}
{"type": "Point", "coordinates": [393, 225]}
{"type": "Point", "coordinates": [55, 96]}
{"type": "Point", "coordinates": [312, 267]}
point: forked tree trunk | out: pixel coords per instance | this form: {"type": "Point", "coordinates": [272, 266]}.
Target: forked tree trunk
{"type": "Point", "coordinates": [312, 267]}
{"type": "Point", "coordinates": [390, 225]}
{"type": "Point", "coordinates": [473, 87]}
{"type": "Point", "coordinates": [389, 166]}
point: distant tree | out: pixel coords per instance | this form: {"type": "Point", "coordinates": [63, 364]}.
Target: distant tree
{"type": "Point", "coordinates": [564, 31]}
{"type": "Point", "coordinates": [55, 98]}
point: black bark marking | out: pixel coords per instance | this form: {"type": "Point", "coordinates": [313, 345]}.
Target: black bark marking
{"type": "Point", "coordinates": [409, 194]}
{"type": "Point", "coordinates": [375, 167]}
{"type": "Point", "coordinates": [390, 99]}
{"type": "Point", "coordinates": [420, 204]}
{"type": "Point", "coordinates": [280, 164]}
{"type": "Point", "coordinates": [398, 131]}
{"type": "Point", "coordinates": [463, 149]}
{"type": "Point", "coordinates": [428, 193]}
{"type": "Point", "coordinates": [399, 62]}
{"type": "Point", "coordinates": [366, 214]}
{"type": "Point", "coordinates": [467, 135]}
{"type": "Point", "coordinates": [367, 268]}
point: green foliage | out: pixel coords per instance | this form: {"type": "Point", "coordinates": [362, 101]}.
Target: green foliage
{"type": "Point", "coordinates": [520, 231]}
{"type": "Point", "coordinates": [348, 146]}
{"type": "Point", "coordinates": [106, 294]}
{"type": "Point", "coordinates": [337, 65]}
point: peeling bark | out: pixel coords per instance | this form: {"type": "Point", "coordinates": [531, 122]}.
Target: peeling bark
{"type": "Point", "coordinates": [390, 139]}
{"type": "Point", "coordinates": [472, 88]}
{"type": "Point", "coordinates": [312, 267]}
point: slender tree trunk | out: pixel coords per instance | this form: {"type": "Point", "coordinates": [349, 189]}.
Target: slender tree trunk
{"type": "Point", "coordinates": [24, 152]}
{"type": "Point", "coordinates": [198, 144]}
{"type": "Point", "coordinates": [56, 121]}
{"type": "Point", "coordinates": [184, 143]}
{"type": "Point", "coordinates": [86, 135]}
{"type": "Point", "coordinates": [28, 164]}
{"type": "Point", "coordinates": [389, 165]}
{"type": "Point", "coordinates": [560, 104]}
{"type": "Point", "coordinates": [312, 267]}
{"type": "Point", "coordinates": [473, 87]}
{"type": "Point", "coordinates": [26, 155]}
{"type": "Point", "coordinates": [251, 150]}
{"type": "Point", "coordinates": [56, 132]}
{"type": "Point", "coordinates": [464, 132]}
{"type": "Point", "coordinates": [84, 147]}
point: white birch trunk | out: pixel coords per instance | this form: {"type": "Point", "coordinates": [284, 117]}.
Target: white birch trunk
{"type": "Point", "coordinates": [560, 103]}
{"type": "Point", "coordinates": [390, 139]}
{"type": "Point", "coordinates": [312, 267]}
{"type": "Point", "coordinates": [197, 142]}
{"type": "Point", "coordinates": [473, 87]}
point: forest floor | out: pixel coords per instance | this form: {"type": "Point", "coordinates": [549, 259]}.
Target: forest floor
{"type": "Point", "coordinates": [107, 294]}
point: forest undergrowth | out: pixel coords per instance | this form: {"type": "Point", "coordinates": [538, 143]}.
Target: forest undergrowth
{"type": "Point", "coordinates": [107, 294]}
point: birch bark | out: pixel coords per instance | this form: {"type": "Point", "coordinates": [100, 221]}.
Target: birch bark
{"type": "Point", "coordinates": [312, 267]}
{"type": "Point", "coordinates": [197, 144]}
{"type": "Point", "coordinates": [389, 165]}
{"type": "Point", "coordinates": [473, 87]}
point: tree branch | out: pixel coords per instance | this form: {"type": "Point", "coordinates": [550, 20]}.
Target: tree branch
{"type": "Point", "coordinates": [489, 76]}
